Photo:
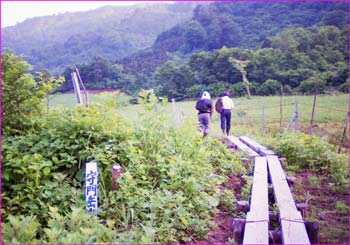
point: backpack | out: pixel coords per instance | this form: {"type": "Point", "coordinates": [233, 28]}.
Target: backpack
{"type": "Point", "coordinates": [219, 105]}
{"type": "Point", "coordinates": [202, 106]}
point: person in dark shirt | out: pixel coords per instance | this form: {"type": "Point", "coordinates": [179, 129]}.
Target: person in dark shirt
{"type": "Point", "coordinates": [205, 110]}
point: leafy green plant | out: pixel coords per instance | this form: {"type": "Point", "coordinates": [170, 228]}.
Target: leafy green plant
{"type": "Point", "coordinates": [76, 226]}
{"type": "Point", "coordinates": [228, 201]}
{"type": "Point", "coordinates": [33, 164]}
{"type": "Point", "coordinates": [312, 153]}
{"type": "Point", "coordinates": [342, 207]}
{"type": "Point", "coordinates": [22, 94]}
{"type": "Point", "coordinates": [168, 189]}
{"type": "Point", "coordinates": [245, 192]}
{"type": "Point", "coordinates": [314, 181]}
{"type": "Point", "coordinates": [20, 229]}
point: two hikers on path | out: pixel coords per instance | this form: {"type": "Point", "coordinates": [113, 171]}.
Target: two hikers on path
{"type": "Point", "coordinates": [224, 106]}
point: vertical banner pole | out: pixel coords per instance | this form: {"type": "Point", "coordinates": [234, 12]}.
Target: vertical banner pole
{"type": "Point", "coordinates": [76, 87]}
{"type": "Point", "coordinates": [82, 85]}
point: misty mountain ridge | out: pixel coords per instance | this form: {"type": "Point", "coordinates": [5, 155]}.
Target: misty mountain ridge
{"type": "Point", "coordinates": [55, 41]}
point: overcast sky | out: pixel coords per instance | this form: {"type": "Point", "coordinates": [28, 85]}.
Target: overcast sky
{"type": "Point", "coordinates": [13, 12]}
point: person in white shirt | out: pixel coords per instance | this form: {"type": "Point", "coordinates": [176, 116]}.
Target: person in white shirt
{"type": "Point", "coordinates": [225, 115]}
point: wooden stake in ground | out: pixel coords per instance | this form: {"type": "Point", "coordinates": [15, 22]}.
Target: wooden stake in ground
{"type": "Point", "coordinates": [281, 98]}
{"type": "Point", "coordinates": [238, 229]}
{"type": "Point", "coordinates": [262, 131]}
{"type": "Point", "coordinates": [295, 118]}
{"type": "Point", "coordinates": [341, 142]}
{"type": "Point", "coordinates": [349, 118]}
{"type": "Point", "coordinates": [116, 172]}
{"type": "Point", "coordinates": [313, 111]}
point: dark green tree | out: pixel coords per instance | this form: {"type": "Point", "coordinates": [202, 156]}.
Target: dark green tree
{"type": "Point", "coordinates": [195, 36]}
{"type": "Point", "coordinates": [174, 80]}
{"type": "Point", "coordinates": [312, 85]}
{"type": "Point", "coordinates": [23, 94]}
{"type": "Point", "coordinates": [269, 87]}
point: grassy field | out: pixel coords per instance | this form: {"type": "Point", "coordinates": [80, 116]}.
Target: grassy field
{"type": "Point", "coordinates": [254, 116]}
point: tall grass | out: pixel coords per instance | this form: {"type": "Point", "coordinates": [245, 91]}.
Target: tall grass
{"type": "Point", "coordinates": [256, 116]}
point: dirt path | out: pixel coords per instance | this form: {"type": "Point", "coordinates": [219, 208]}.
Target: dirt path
{"type": "Point", "coordinates": [223, 219]}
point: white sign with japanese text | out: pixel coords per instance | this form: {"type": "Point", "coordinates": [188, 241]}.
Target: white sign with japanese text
{"type": "Point", "coordinates": [91, 186]}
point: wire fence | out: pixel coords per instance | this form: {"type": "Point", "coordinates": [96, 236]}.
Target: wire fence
{"type": "Point", "coordinates": [267, 117]}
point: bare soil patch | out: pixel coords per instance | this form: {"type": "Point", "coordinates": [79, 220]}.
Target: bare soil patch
{"type": "Point", "coordinates": [223, 220]}
{"type": "Point", "coordinates": [327, 203]}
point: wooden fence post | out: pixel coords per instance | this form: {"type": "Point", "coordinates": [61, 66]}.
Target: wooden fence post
{"type": "Point", "coordinates": [295, 118]}
{"type": "Point", "coordinates": [313, 111]}
{"type": "Point", "coordinates": [296, 114]}
{"type": "Point", "coordinates": [281, 98]}
{"type": "Point", "coordinates": [262, 130]}
{"type": "Point", "coordinates": [341, 142]}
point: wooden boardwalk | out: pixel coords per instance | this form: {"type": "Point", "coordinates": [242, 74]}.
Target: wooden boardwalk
{"type": "Point", "coordinates": [292, 223]}
{"type": "Point", "coordinates": [239, 145]}
{"type": "Point", "coordinates": [257, 221]}
{"type": "Point", "coordinates": [260, 149]}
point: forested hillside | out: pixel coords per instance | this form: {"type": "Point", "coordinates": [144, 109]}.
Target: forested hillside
{"type": "Point", "coordinates": [180, 49]}
{"type": "Point", "coordinates": [242, 25]}
{"type": "Point", "coordinates": [309, 60]}
{"type": "Point", "coordinates": [302, 46]}
{"type": "Point", "coordinates": [158, 181]}
{"type": "Point", "coordinates": [113, 32]}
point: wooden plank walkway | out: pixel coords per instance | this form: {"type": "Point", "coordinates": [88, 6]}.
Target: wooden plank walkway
{"type": "Point", "coordinates": [293, 227]}
{"type": "Point", "coordinates": [239, 145]}
{"type": "Point", "coordinates": [257, 221]}
{"type": "Point", "coordinates": [260, 149]}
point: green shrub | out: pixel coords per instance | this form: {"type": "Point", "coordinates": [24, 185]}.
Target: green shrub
{"type": "Point", "coordinates": [22, 94]}
{"type": "Point", "coordinates": [20, 229]}
{"type": "Point", "coordinates": [309, 86]}
{"type": "Point", "coordinates": [228, 201]}
{"type": "Point", "coordinates": [245, 192]}
{"type": "Point", "coordinates": [169, 187]}
{"type": "Point", "coordinates": [270, 87]}
{"type": "Point", "coordinates": [238, 89]}
{"type": "Point", "coordinates": [76, 226]}
{"type": "Point", "coordinates": [170, 180]}
{"type": "Point", "coordinates": [341, 207]}
{"type": "Point", "coordinates": [344, 87]}
{"type": "Point", "coordinates": [312, 153]}
{"type": "Point", "coordinates": [32, 163]}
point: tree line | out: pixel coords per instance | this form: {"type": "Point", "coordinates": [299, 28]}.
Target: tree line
{"type": "Point", "coordinates": [257, 47]}
{"type": "Point", "coordinates": [233, 25]}
{"type": "Point", "coordinates": [294, 60]}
